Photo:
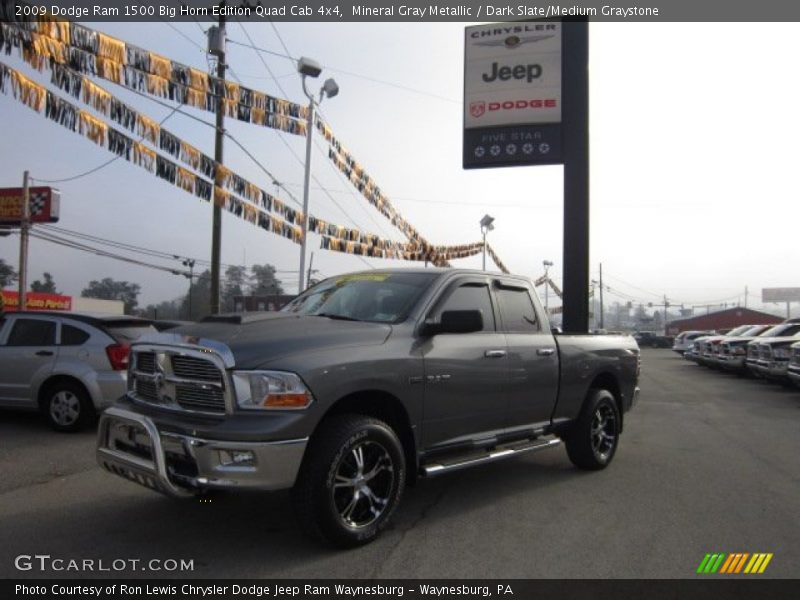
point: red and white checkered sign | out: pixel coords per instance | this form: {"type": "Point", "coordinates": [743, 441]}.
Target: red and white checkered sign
{"type": "Point", "coordinates": [44, 205]}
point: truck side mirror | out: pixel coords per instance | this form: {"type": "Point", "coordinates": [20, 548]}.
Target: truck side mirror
{"type": "Point", "coordinates": [455, 321]}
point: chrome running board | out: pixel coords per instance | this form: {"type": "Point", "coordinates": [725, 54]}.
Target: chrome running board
{"type": "Point", "coordinates": [438, 468]}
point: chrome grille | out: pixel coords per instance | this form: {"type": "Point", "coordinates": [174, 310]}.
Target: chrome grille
{"type": "Point", "coordinates": [795, 360]}
{"type": "Point", "coordinates": [765, 351]}
{"type": "Point", "coordinates": [178, 379]}
{"type": "Point", "coordinates": [190, 367]}
{"type": "Point", "coordinates": [146, 362]}
{"type": "Point", "coordinates": [146, 389]}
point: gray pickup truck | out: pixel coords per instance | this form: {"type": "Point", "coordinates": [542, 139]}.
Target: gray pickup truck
{"type": "Point", "coordinates": [361, 385]}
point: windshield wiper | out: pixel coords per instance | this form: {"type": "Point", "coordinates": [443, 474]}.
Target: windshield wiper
{"type": "Point", "coordinates": [337, 317]}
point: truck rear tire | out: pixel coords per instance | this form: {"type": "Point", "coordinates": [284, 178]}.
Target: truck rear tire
{"type": "Point", "coordinates": [351, 480]}
{"type": "Point", "coordinates": [593, 440]}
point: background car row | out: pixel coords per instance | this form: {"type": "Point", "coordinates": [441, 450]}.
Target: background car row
{"type": "Point", "coordinates": [770, 352]}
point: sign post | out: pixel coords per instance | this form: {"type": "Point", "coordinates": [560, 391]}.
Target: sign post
{"type": "Point", "coordinates": [526, 102]}
{"type": "Point", "coordinates": [23, 240]}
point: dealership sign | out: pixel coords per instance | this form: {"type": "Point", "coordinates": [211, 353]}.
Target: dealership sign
{"type": "Point", "coordinates": [790, 294]}
{"type": "Point", "coordinates": [36, 301]}
{"type": "Point", "coordinates": [44, 205]}
{"type": "Point", "coordinates": [512, 94]}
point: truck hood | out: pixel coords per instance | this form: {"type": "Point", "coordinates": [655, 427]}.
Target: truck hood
{"type": "Point", "coordinates": [275, 335]}
{"type": "Point", "coordinates": [775, 341]}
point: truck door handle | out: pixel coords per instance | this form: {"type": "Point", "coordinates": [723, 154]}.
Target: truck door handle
{"type": "Point", "coordinates": [546, 351]}
{"type": "Point", "coordinates": [494, 353]}
{"type": "Point", "coordinates": [44, 353]}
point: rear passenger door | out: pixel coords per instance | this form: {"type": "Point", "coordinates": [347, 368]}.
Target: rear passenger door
{"type": "Point", "coordinates": [28, 353]}
{"type": "Point", "coordinates": [532, 357]}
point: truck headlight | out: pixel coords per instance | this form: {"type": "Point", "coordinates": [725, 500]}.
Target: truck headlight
{"type": "Point", "coordinates": [270, 390]}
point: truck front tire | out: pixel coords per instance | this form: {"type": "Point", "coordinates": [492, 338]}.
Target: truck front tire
{"type": "Point", "coordinates": [351, 480]}
{"type": "Point", "coordinates": [593, 439]}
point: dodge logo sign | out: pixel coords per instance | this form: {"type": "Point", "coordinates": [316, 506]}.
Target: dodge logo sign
{"type": "Point", "coordinates": [476, 109]}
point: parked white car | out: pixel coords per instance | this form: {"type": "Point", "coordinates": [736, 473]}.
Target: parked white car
{"type": "Point", "coordinates": [70, 366]}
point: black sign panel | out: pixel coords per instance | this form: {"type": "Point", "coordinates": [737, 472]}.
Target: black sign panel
{"type": "Point", "coordinates": [512, 94]}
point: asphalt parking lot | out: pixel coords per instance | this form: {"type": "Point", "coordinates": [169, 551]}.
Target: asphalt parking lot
{"type": "Point", "coordinates": [707, 463]}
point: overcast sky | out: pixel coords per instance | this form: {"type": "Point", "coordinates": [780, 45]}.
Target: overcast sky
{"type": "Point", "coordinates": [694, 131]}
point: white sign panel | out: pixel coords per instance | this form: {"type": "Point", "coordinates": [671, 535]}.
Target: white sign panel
{"type": "Point", "coordinates": [512, 74]}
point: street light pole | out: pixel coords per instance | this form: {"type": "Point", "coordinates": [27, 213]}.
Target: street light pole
{"type": "Point", "coordinates": [310, 68]}
{"type": "Point", "coordinates": [547, 264]}
{"type": "Point", "coordinates": [486, 226]}
{"type": "Point", "coordinates": [306, 178]}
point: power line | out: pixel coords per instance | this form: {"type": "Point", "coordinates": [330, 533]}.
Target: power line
{"type": "Point", "coordinates": [100, 252]}
{"type": "Point", "coordinates": [184, 36]}
{"type": "Point", "coordinates": [134, 248]}
{"type": "Point", "coordinates": [399, 86]}
{"type": "Point", "coordinates": [264, 50]}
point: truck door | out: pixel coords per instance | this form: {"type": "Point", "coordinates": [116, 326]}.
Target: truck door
{"type": "Point", "coordinates": [465, 373]}
{"type": "Point", "coordinates": [532, 357]}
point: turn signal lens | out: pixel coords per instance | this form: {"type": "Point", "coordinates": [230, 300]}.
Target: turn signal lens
{"type": "Point", "coordinates": [287, 400]}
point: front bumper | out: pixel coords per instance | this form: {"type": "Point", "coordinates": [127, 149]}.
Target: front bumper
{"type": "Point", "coordinates": [735, 363]}
{"type": "Point", "coordinates": [131, 445]}
{"type": "Point", "coordinates": [777, 370]}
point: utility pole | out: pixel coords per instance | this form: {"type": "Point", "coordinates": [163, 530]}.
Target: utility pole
{"type": "Point", "coordinates": [602, 317]}
{"type": "Point", "coordinates": [23, 242]}
{"type": "Point", "coordinates": [666, 306]}
{"type": "Point", "coordinates": [745, 296]}
{"type": "Point", "coordinates": [216, 46]}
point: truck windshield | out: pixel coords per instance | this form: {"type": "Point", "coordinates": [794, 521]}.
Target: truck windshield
{"type": "Point", "coordinates": [376, 297]}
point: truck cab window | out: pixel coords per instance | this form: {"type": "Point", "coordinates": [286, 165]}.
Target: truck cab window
{"type": "Point", "coordinates": [517, 311]}
{"type": "Point", "coordinates": [470, 296]}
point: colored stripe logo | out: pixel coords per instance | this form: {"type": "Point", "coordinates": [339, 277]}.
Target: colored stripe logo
{"type": "Point", "coordinates": [734, 564]}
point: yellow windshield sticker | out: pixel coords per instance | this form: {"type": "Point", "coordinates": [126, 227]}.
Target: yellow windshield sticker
{"type": "Point", "coordinates": [363, 277]}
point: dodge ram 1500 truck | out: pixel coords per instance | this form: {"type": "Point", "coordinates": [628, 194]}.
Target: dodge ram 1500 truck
{"type": "Point", "coordinates": [359, 386]}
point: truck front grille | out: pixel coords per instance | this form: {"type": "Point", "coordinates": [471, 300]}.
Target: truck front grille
{"type": "Point", "coordinates": [178, 380]}
{"type": "Point", "coordinates": [146, 362]}
{"type": "Point", "coordinates": [190, 367]}
{"type": "Point", "coordinates": [795, 360]}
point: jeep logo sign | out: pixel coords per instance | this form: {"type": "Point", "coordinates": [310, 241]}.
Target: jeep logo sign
{"type": "Point", "coordinates": [529, 72]}
{"type": "Point", "coordinates": [512, 93]}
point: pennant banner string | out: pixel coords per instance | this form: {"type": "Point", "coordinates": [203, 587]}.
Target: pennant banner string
{"type": "Point", "coordinates": [146, 74]}
{"type": "Point", "coordinates": [79, 121]}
